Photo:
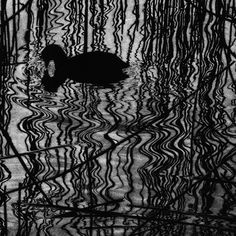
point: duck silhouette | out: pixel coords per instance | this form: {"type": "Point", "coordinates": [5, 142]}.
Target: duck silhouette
{"type": "Point", "coordinates": [98, 68]}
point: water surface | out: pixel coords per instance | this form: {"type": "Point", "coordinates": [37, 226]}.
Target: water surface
{"type": "Point", "coordinates": [160, 144]}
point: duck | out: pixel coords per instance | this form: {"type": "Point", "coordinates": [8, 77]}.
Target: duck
{"type": "Point", "coordinates": [96, 67]}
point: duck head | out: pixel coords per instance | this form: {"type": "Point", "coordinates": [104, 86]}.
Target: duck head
{"type": "Point", "coordinates": [53, 52]}
{"type": "Point", "coordinates": [54, 57]}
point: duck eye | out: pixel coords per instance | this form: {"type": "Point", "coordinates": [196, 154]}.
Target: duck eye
{"type": "Point", "coordinates": [51, 68]}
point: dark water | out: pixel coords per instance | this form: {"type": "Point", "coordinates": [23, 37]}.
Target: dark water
{"type": "Point", "coordinates": [155, 155]}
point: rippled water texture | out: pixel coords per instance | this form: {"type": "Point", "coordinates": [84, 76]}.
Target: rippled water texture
{"type": "Point", "coordinates": [155, 155]}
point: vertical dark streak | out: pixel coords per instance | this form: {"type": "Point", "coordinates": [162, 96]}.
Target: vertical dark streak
{"type": "Point", "coordinates": [5, 212]}
{"type": "Point", "coordinates": [137, 14]}
{"type": "Point", "coordinates": [227, 50]}
{"type": "Point", "coordinates": [3, 59]}
{"type": "Point", "coordinates": [124, 14]}
{"type": "Point", "coordinates": [19, 209]}
{"type": "Point", "coordinates": [18, 10]}
{"type": "Point", "coordinates": [7, 39]}
{"type": "Point", "coordinates": [41, 19]}
{"type": "Point", "coordinates": [200, 20]}
{"type": "Point", "coordinates": [93, 12]}
{"type": "Point", "coordinates": [102, 17]}
{"type": "Point", "coordinates": [86, 12]}
{"type": "Point", "coordinates": [90, 182]}
{"type": "Point", "coordinates": [134, 28]}
{"type": "Point", "coordinates": [90, 192]}
{"type": "Point", "coordinates": [150, 28]}
{"type": "Point", "coordinates": [14, 36]}
{"type": "Point", "coordinates": [91, 195]}
{"type": "Point", "coordinates": [27, 39]}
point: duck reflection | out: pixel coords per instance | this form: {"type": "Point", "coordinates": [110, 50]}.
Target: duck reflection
{"type": "Point", "coordinates": [98, 68]}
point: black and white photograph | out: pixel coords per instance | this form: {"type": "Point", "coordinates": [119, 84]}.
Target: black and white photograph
{"type": "Point", "coordinates": [117, 117]}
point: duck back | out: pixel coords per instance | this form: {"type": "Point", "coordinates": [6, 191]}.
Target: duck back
{"type": "Point", "coordinates": [96, 67]}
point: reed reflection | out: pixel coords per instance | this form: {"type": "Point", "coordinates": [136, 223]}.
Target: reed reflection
{"type": "Point", "coordinates": [154, 154]}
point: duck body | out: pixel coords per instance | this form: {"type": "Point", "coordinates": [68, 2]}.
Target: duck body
{"type": "Point", "coordinates": [98, 68]}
